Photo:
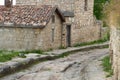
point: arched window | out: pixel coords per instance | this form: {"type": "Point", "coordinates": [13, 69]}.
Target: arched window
{"type": "Point", "coordinates": [86, 5]}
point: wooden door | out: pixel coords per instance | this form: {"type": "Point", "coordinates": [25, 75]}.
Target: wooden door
{"type": "Point", "coordinates": [68, 27]}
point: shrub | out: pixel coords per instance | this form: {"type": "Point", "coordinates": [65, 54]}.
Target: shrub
{"type": "Point", "coordinates": [98, 8]}
{"type": "Point", "coordinates": [107, 66]}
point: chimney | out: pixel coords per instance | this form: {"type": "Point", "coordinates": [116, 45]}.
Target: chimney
{"type": "Point", "coordinates": [8, 3]}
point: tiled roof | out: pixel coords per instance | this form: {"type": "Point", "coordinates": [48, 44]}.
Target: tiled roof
{"type": "Point", "coordinates": [27, 15]}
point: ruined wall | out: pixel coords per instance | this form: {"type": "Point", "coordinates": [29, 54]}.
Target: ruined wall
{"type": "Point", "coordinates": [14, 38]}
{"type": "Point", "coordinates": [84, 27]}
{"type": "Point", "coordinates": [115, 51]}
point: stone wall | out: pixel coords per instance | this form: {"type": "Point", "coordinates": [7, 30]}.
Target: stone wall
{"type": "Point", "coordinates": [16, 38]}
{"type": "Point", "coordinates": [63, 4]}
{"type": "Point", "coordinates": [46, 35]}
{"type": "Point", "coordinates": [115, 51]}
{"type": "Point", "coordinates": [83, 25]}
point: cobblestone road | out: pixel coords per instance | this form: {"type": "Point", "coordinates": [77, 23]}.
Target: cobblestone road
{"type": "Point", "coordinates": [84, 65]}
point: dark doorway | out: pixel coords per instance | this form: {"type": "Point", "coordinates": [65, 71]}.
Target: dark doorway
{"type": "Point", "coordinates": [68, 35]}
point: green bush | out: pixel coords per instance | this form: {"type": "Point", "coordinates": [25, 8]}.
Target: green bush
{"type": "Point", "coordinates": [98, 8]}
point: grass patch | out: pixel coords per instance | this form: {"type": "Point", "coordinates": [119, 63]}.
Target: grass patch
{"type": "Point", "coordinates": [8, 55]}
{"type": "Point", "coordinates": [91, 43]}
{"type": "Point", "coordinates": [32, 51]}
{"type": "Point", "coordinates": [50, 49]}
{"type": "Point", "coordinates": [107, 66]}
{"type": "Point", "coordinates": [64, 55]}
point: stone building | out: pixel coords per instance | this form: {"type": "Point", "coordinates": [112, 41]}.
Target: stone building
{"type": "Point", "coordinates": [80, 25]}
{"type": "Point", "coordinates": [30, 27]}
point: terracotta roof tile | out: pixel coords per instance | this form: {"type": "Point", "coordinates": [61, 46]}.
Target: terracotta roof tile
{"type": "Point", "coordinates": [34, 15]}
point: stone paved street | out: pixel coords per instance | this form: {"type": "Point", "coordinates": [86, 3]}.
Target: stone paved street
{"type": "Point", "coordinates": [84, 65]}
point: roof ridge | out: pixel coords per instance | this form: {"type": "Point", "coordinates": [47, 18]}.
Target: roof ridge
{"type": "Point", "coordinates": [28, 15]}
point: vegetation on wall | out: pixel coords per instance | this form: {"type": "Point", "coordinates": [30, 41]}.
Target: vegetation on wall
{"type": "Point", "coordinates": [98, 8]}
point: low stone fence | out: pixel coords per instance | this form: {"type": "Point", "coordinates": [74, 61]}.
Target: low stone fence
{"type": "Point", "coordinates": [115, 51]}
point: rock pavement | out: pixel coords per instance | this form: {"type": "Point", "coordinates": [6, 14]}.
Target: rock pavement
{"type": "Point", "coordinates": [84, 65]}
{"type": "Point", "coordinates": [21, 63]}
